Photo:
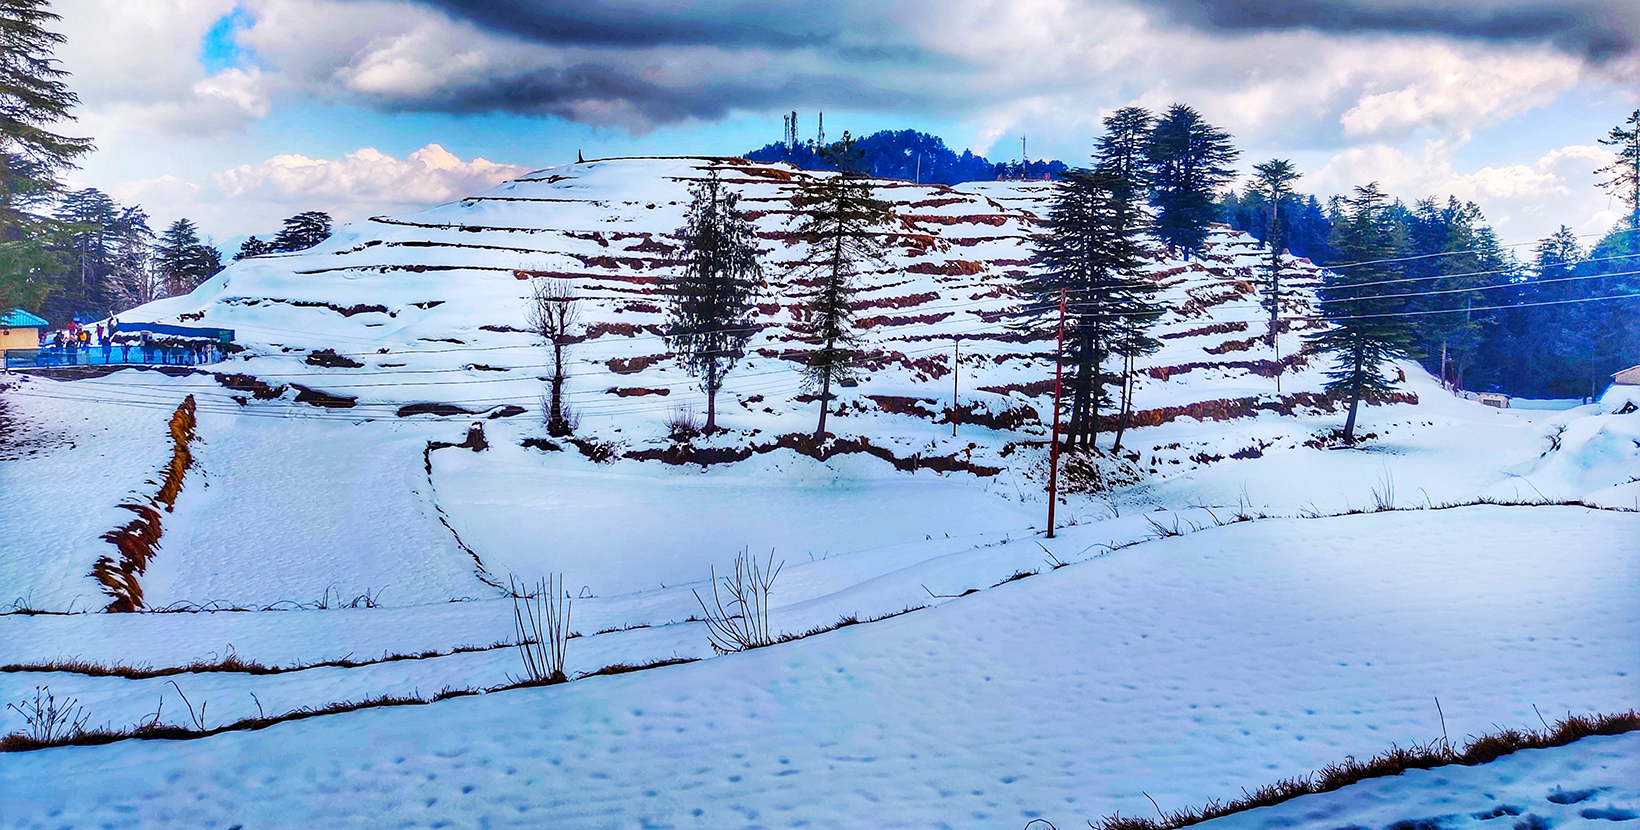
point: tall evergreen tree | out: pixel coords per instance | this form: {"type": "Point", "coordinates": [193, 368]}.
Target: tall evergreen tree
{"type": "Point", "coordinates": [1190, 160]}
{"type": "Point", "coordinates": [252, 247]}
{"type": "Point", "coordinates": [1366, 330]}
{"type": "Point", "coordinates": [1273, 182]}
{"type": "Point", "coordinates": [301, 232]}
{"type": "Point", "coordinates": [1121, 162]}
{"type": "Point", "coordinates": [1085, 253]}
{"type": "Point", "coordinates": [33, 100]}
{"type": "Point", "coordinates": [1624, 172]}
{"type": "Point", "coordinates": [86, 218]}
{"type": "Point", "coordinates": [838, 217]}
{"type": "Point", "coordinates": [182, 260]}
{"type": "Point", "coordinates": [133, 280]}
{"type": "Point", "coordinates": [712, 315]}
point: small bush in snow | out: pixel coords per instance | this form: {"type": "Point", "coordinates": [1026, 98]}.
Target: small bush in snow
{"type": "Point", "coordinates": [541, 622]}
{"type": "Point", "coordinates": [683, 425]}
{"type": "Point", "coordinates": [48, 719]}
{"type": "Point", "coordinates": [743, 621]}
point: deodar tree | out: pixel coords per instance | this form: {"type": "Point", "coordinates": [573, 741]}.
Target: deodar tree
{"type": "Point", "coordinates": [33, 99]}
{"type": "Point", "coordinates": [1273, 181]}
{"type": "Point", "coordinates": [838, 218]}
{"type": "Point", "coordinates": [1085, 253]}
{"type": "Point", "coordinates": [183, 261]}
{"type": "Point", "coordinates": [1368, 326]}
{"type": "Point", "coordinates": [711, 314]}
{"type": "Point", "coordinates": [1623, 174]}
{"type": "Point", "coordinates": [1119, 158]}
{"type": "Point", "coordinates": [552, 314]}
{"type": "Point", "coordinates": [301, 232]}
{"type": "Point", "coordinates": [1189, 161]}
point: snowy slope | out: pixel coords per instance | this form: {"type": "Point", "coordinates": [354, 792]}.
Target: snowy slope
{"type": "Point", "coordinates": [429, 309]}
{"type": "Point", "coordinates": [1185, 668]}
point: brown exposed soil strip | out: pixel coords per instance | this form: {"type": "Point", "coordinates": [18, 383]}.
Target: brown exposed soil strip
{"type": "Point", "coordinates": [1216, 328]}
{"type": "Point", "coordinates": [1233, 346]}
{"type": "Point", "coordinates": [804, 444]}
{"type": "Point", "coordinates": [322, 399]}
{"type": "Point", "coordinates": [345, 311]}
{"type": "Point", "coordinates": [138, 539]}
{"type": "Point", "coordinates": [1224, 409]}
{"type": "Point", "coordinates": [633, 365]}
{"type": "Point", "coordinates": [232, 664]}
{"type": "Point", "coordinates": [1262, 368]}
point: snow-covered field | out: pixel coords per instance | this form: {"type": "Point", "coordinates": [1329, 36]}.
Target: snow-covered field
{"type": "Point", "coordinates": [1179, 655]}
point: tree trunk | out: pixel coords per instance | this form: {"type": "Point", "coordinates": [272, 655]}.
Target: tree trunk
{"type": "Point", "coordinates": [1349, 423]}
{"type": "Point", "coordinates": [1127, 402]}
{"type": "Point", "coordinates": [555, 419]}
{"type": "Point", "coordinates": [1076, 433]}
{"type": "Point", "coordinates": [825, 403]}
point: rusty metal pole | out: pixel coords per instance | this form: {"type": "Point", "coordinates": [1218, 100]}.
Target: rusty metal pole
{"type": "Point", "coordinates": [1053, 452]}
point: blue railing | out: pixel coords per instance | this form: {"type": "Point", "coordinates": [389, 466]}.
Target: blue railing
{"type": "Point", "coordinates": [133, 354]}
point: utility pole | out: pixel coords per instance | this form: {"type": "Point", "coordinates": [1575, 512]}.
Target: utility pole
{"type": "Point", "coordinates": [1053, 451]}
{"type": "Point", "coordinates": [956, 368]}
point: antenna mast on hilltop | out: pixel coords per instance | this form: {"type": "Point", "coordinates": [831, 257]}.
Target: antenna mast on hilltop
{"type": "Point", "coordinates": [820, 137]}
{"type": "Point", "coordinates": [1024, 161]}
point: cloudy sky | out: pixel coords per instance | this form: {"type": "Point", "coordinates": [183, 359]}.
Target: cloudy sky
{"type": "Point", "coordinates": [237, 113]}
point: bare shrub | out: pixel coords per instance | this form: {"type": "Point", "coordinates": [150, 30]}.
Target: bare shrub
{"type": "Point", "coordinates": [1383, 495]}
{"type": "Point", "coordinates": [552, 313]}
{"type": "Point", "coordinates": [48, 719]}
{"type": "Point", "coordinates": [683, 425]}
{"type": "Point", "coordinates": [742, 622]}
{"type": "Point", "coordinates": [541, 622]}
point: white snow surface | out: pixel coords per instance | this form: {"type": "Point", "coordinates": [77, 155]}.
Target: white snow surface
{"type": "Point", "coordinates": [1183, 666]}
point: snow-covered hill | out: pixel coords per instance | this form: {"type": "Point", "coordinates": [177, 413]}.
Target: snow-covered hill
{"type": "Point", "coordinates": [318, 465]}
{"type": "Point", "coordinates": [375, 462]}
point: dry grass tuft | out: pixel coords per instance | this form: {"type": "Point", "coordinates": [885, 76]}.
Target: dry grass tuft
{"type": "Point", "coordinates": [1391, 762]}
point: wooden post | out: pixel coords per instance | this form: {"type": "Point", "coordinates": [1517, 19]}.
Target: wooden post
{"type": "Point", "coordinates": [1053, 452]}
{"type": "Point", "coordinates": [956, 366]}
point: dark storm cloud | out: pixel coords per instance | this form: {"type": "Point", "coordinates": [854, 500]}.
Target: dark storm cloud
{"type": "Point", "coordinates": [617, 96]}
{"type": "Point", "coordinates": [1596, 29]}
{"type": "Point", "coordinates": [649, 23]}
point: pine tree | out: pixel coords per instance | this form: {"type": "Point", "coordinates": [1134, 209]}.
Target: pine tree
{"type": "Point", "coordinates": [133, 279]}
{"type": "Point", "coordinates": [1120, 161]}
{"type": "Point", "coordinates": [252, 247]}
{"type": "Point", "coordinates": [86, 218]}
{"type": "Point", "coordinates": [1086, 253]}
{"type": "Point", "coordinates": [301, 232]}
{"type": "Point", "coordinates": [838, 217]}
{"type": "Point", "coordinates": [1190, 160]}
{"type": "Point", "coordinates": [712, 315]}
{"type": "Point", "coordinates": [1273, 182]}
{"type": "Point", "coordinates": [1624, 171]}
{"type": "Point", "coordinates": [33, 98]}
{"type": "Point", "coordinates": [182, 260]}
{"type": "Point", "coordinates": [1366, 330]}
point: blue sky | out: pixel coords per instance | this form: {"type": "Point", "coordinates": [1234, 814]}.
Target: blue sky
{"type": "Point", "coordinates": [237, 113]}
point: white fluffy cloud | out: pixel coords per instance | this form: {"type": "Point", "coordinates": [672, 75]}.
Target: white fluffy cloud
{"type": "Point", "coordinates": [135, 65]}
{"type": "Point", "coordinates": [253, 198]}
{"type": "Point", "coordinates": [1046, 68]}
{"type": "Point", "coordinates": [1523, 201]}
{"type": "Point", "coordinates": [366, 177]}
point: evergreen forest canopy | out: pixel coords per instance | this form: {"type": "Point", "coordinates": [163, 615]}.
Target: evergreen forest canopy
{"type": "Point", "coordinates": [910, 155]}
